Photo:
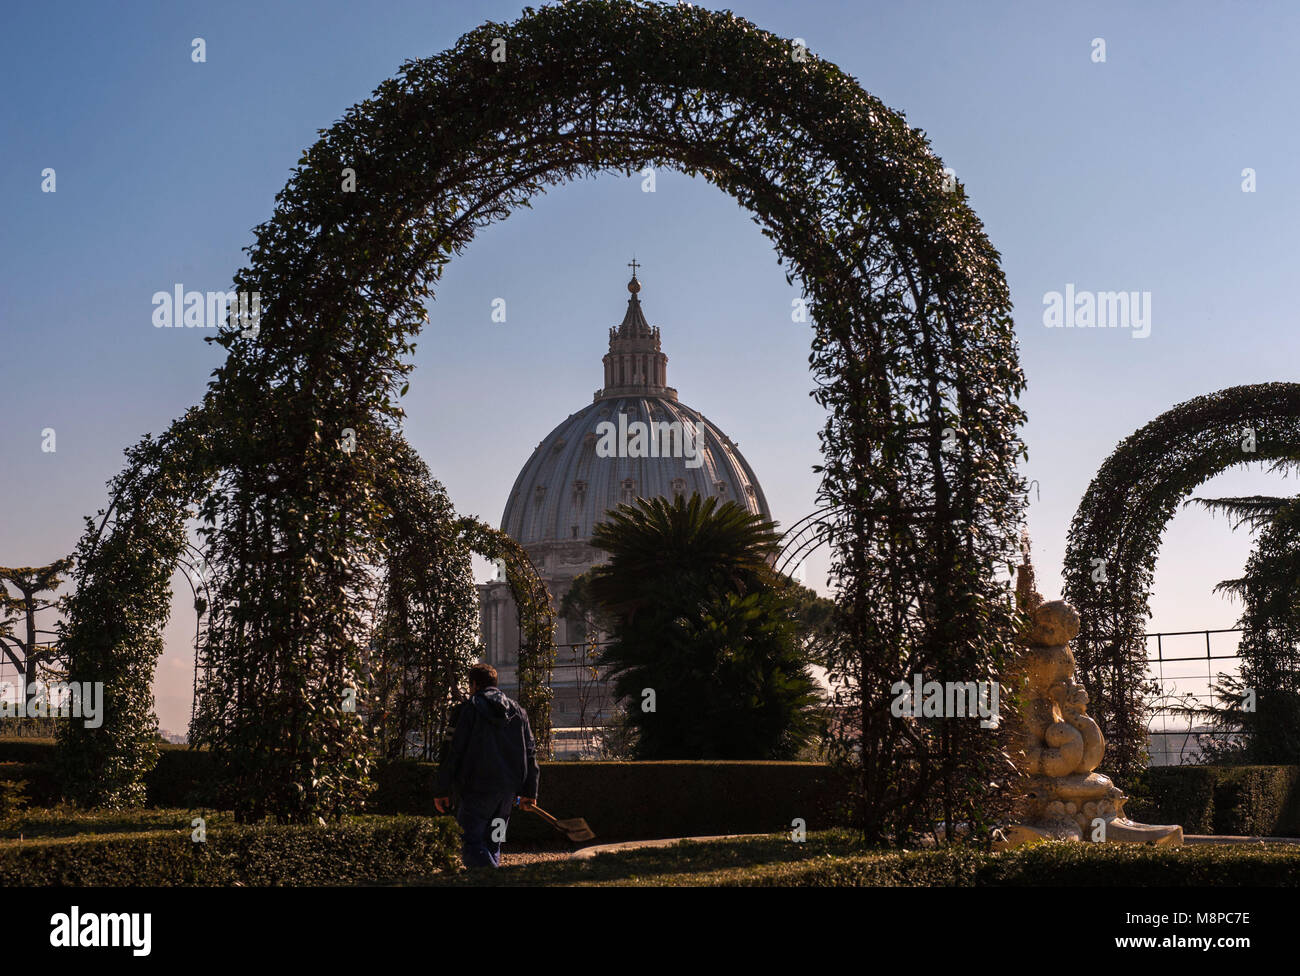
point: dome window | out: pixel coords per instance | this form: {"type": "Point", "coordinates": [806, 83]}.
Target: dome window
{"type": "Point", "coordinates": [721, 487]}
{"type": "Point", "coordinates": [679, 486]}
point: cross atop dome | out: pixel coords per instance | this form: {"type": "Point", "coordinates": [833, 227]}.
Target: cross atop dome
{"type": "Point", "coordinates": [633, 286]}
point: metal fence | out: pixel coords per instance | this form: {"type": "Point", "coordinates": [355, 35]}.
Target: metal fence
{"type": "Point", "coordinates": [583, 703]}
{"type": "Point", "coordinates": [1186, 664]}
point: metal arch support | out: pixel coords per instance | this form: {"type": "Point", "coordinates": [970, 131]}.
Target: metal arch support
{"type": "Point", "coordinates": [804, 537]}
{"type": "Point", "coordinates": [806, 548]}
{"type": "Point", "coordinates": [190, 570]}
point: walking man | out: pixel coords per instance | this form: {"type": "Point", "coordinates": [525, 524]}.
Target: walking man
{"type": "Point", "coordinates": [490, 760]}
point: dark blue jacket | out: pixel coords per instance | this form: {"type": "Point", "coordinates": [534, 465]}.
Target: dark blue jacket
{"type": "Point", "coordinates": [491, 750]}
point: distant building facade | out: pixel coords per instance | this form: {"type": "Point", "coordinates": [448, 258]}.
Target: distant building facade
{"type": "Point", "coordinates": [660, 447]}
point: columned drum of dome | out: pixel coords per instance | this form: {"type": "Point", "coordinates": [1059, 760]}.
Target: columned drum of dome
{"type": "Point", "coordinates": [636, 439]}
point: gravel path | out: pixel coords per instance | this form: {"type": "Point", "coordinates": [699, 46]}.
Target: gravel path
{"type": "Point", "coordinates": [509, 860]}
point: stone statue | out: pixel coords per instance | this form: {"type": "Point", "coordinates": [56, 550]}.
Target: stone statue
{"type": "Point", "coordinates": [1064, 799]}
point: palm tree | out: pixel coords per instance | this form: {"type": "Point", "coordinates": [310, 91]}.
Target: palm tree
{"type": "Point", "coordinates": [705, 650]}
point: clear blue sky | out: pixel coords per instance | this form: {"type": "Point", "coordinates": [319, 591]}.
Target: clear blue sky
{"type": "Point", "coordinates": [1122, 175]}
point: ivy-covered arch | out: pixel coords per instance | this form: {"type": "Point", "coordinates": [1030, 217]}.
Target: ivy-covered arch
{"type": "Point", "coordinates": [114, 617]}
{"type": "Point", "coordinates": [1115, 536]}
{"type": "Point", "coordinates": [913, 352]}
{"type": "Point", "coordinates": [536, 622]}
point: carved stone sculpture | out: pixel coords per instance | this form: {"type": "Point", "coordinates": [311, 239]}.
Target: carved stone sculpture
{"type": "Point", "coordinates": [1064, 798]}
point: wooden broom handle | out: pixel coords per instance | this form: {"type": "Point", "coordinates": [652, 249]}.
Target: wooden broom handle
{"type": "Point", "coordinates": [545, 816]}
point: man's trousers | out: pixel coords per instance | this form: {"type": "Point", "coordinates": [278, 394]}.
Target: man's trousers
{"type": "Point", "coordinates": [483, 818]}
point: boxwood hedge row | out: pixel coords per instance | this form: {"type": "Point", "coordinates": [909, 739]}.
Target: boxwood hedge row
{"type": "Point", "coordinates": [644, 800]}
{"type": "Point", "coordinates": [1258, 801]}
{"type": "Point", "coordinates": [621, 801]}
{"type": "Point", "coordinates": [625, 801]}
{"type": "Point", "coordinates": [1078, 865]}
{"type": "Point", "coordinates": [357, 850]}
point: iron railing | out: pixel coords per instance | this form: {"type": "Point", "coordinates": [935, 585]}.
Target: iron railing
{"type": "Point", "coordinates": [1186, 676]}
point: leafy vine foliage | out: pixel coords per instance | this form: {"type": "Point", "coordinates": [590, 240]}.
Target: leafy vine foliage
{"type": "Point", "coordinates": [536, 623]}
{"type": "Point", "coordinates": [112, 622]}
{"type": "Point", "coordinates": [914, 356]}
{"type": "Point", "coordinates": [1115, 537]}
{"type": "Point", "coordinates": [426, 632]}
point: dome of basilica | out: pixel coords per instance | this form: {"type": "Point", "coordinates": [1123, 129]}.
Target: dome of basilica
{"type": "Point", "coordinates": [635, 440]}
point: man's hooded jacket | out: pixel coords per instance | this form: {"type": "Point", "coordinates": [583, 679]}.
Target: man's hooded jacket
{"type": "Point", "coordinates": [492, 749]}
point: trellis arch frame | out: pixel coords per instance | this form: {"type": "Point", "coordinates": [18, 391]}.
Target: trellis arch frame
{"type": "Point", "coordinates": [1115, 535]}
{"type": "Point", "coordinates": [912, 315]}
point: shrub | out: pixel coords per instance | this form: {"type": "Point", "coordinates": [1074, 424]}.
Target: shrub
{"type": "Point", "coordinates": [836, 858]}
{"type": "Point", "coordinates": [12, 801]}
{"type": "Point", "coordinates": [357, 850]}
{"type": "Point", "coordinates": [184, 777]}
{"type": "Point", "coordinates": [20, 750]}
{"type": "Point", "coordinates": [642, 800]}
{"type": "Point", "coordinates": [1259, 801]}
{"type": "Point", "coordinates": [37, 781]}
{"type": "Point", "coordinates": [699, 616]}
{"type": "Point", "coordinates": [1047, 865]}
{"type": "Point", "coordinates": [1181, 795]}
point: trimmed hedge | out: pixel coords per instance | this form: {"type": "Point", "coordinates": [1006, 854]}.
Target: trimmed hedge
{"type": "Point", "coordinates": [26, 750]}
{"type": "Point", "coordinates": [358, 850]}
{"type": "Point", "coordinates": [1259, 801]}
{"type": "Point", "coordinates": [39, 785]}
{"type": "Point", "coordinates": [645, 800]}
{"type": "Point", "coordinates": [621, 801]}
{"type": "Point", "coordinates": [1044, 865]}
{"type": "Point", "coordinates": [181, 778]}
{"type": "Point", "coordinates": [835, 858]}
